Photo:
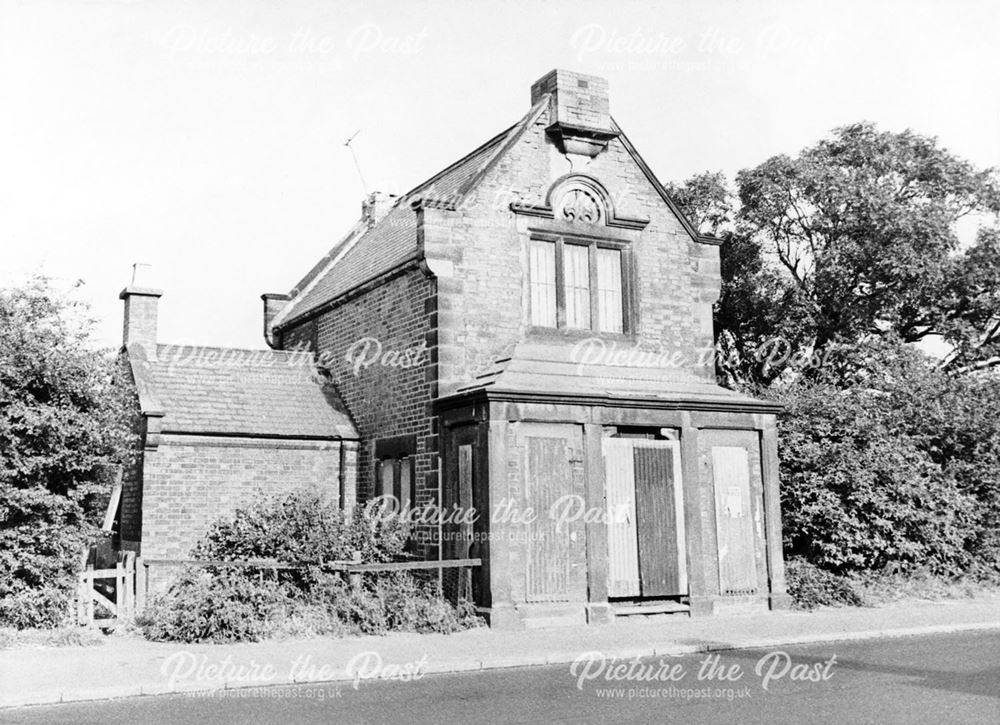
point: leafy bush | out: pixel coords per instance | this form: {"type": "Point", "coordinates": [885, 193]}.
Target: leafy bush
{"type": "Point", "coordinates": [310, 620]}
{"type": "Point", "coordinates": [811, 587]}
{"type": "Point", "coordinates": [890, 586]}
{"type": "Point", "coordinates": [394, 602]}
{"type": "Point", "coordinates": [884, 463]}
{"type": "Point", "coordinates": [35, 607]}
{"type": "Point", "coordinates": [69, 636]}
{"type": "Point", "coordinates": [302, 527]}
{"type": "Point", "coordinates": [221, 605]}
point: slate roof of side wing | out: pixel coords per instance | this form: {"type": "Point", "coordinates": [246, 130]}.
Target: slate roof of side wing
{"type": "Point", "coordinates": [237, 392]}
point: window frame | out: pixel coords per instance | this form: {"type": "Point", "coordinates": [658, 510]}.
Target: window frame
{"type": "Point", "coordinates": [532, 283]}
{"type": "Point", "coordinates": [397, 463]}
{"type": "Point", "coordinates": [593, 243]}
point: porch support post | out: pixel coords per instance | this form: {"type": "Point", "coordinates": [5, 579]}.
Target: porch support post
{"type": "Point", "coordinates": [598, 609]}
{"type": "Point", "coordinates": [502, 614]}
{"type": "Point", "coordinates": [777, 594]}
{"type": "Point", "coordinates": [698, 548]}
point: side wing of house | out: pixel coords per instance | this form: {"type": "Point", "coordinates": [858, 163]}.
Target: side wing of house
{"type": "Point", "coordinates": [220, 428]}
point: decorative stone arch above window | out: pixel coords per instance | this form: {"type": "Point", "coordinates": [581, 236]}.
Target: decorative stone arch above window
{"type": "Point", "coordinates": [579, 199]}
{"type": "Point", "coordinates": [580, 271]}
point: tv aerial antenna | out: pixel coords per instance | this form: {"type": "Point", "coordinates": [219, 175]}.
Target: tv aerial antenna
{"type": "Point", "coordinates": [354, 156]}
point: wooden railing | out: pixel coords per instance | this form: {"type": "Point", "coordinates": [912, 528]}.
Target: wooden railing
{"type": "Point", "coordinates": [353, 568]}
{"type": "Point", "coordinates": [127, 583]}
{"type": "Point", "coordinates": [463, 587]}
{"type": "Point", "coordinates": [350, 566]}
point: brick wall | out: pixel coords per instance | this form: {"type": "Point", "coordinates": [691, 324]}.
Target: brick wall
{"type": "Point", "coordinates": [191, 482]}
{"type": "Point", "coordinates": [130, 520]}
{"type": "Point", "coordinates": [383, 398]}
{"type": "Point", "coordinates": [130, 510]}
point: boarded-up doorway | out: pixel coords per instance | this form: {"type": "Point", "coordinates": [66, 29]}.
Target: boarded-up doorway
{"type": "Point", "coordinates": [737, 515]}
{"type": "Point", "coordinates": [555, 551]}
{"type": "Point", "coordinates": [646, 543]}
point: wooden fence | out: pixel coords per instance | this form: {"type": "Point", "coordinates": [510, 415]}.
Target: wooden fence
{"type": "Point", "coordinates": [353, 568]}
{"type": "Point", "coordinates": [122, 592]}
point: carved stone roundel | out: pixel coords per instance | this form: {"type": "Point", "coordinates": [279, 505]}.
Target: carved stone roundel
{"type": "Point", "coordinates": [577, 205]}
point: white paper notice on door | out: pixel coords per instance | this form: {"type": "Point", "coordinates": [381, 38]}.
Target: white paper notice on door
{"type": "Point", "coordinates": [734, 502]}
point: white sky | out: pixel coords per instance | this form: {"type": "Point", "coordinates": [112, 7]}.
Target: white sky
{"type": "Point", "coordinates": [206, 138]}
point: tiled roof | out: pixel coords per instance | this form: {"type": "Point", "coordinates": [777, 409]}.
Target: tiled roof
{"type": "Point", "coordinates": [393, 239]}
{"type": "Point", "coordinates": [381, 248]}
{"type": "Point", "coordinates": [230, 391]}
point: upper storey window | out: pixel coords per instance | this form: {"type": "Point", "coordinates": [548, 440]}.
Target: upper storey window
{"type": "Point", "coordinates": [576, 285]}
{"type": "Point", "coordinates": [578, 275]}
{"type": "Point", "coordinates": [580, 263]}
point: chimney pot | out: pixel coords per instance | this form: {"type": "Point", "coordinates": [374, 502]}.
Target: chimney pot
{"type": "Point", "coordinates": [141, 274]}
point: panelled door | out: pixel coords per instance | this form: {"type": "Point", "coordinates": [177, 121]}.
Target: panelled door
{"type": "Point", "coordinates": [646, 544]}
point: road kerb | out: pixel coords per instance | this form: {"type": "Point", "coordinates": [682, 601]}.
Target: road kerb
{"type": "Point", "coordinates": [526, 660]}
{"type": "Point", "coordinates": [792, 640]}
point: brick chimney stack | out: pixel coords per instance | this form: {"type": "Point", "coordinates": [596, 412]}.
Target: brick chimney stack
{"type": "Point", "coordinates": [375, 206]}
{"type": "Point", "coordinates": [141, 302]}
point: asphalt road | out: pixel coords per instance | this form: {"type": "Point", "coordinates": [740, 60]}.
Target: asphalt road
{"type": "Point", "coordinates": [936, 679]}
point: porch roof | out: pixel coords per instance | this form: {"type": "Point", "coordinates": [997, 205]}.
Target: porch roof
{"type": "Point", "coordinates": [554, 372]}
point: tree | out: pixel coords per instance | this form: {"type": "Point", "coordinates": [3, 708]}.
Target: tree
{"type": "Point", "coordinates": [706, 200]}
{"type": "Point", "coordinates": [863, 226]}
{"type": "Point", "coordinates": [840, 258]}
{"type": "Point", "coordinates": [965, 309]}
{"type": "Point", "coordinates": [854, 237]}
{"type": "Point", "coordinates": [759, 318]}
{"type": "Point", "coordinates": [64, 428]}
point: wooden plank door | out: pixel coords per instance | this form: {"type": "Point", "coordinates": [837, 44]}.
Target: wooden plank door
{"type": "Point", "coordinates": [734, 522]}
{"type": "Point", "coordinates": [659, 518]}
{"type": "Point", "coordinates": [555, 556]}
{"type": "Point", "coordinates": [623, 542]}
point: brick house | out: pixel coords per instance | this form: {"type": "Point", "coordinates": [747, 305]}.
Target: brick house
{"type": "Point", "coordinates": [528, 334]}
{"type": "Point", "coordinates": [219, 426]}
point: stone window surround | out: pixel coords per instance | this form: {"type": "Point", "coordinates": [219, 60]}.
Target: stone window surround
{"type": "Point", "coordinates": [593, 243]}
{"type": "Point", "coordinates": [545, 222]}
